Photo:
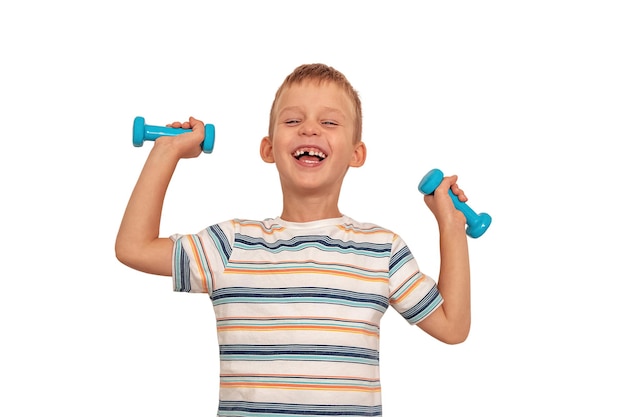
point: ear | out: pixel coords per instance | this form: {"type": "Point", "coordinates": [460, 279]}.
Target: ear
{"type": "Point", "coordinates": [267, 150]}
{"type": "Point", "coordinates": [359, 155]}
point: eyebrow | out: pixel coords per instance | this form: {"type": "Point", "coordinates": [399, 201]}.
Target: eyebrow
{"type": "Point", "coordinates": [325, 109]}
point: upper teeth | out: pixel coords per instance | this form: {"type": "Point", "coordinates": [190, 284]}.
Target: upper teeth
{"type": "Point", "coordinates": [319, 154]}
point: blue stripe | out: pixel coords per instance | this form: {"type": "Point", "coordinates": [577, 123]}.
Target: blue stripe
{"type": "Point", "coordinates": [424, 307]}
{"type": "Point", "coordinates": [181, 268]}
{"type": "Point", "coordinates": [203, 261]}
{"type": "Point", "coordinates": [326, 353]}
{"type": "Point", "coordinates": [400, 258]}
{"type": "Point", "coordinates": [221, 242]}
{"type": "Point", "coordinates": [320, 242]}
{"type": "Point", "coordinates": [299, 295]}
{"type": "Point", "coordinates": [320, 267]}
{"type": "Point", "coordinates": [254, 409]}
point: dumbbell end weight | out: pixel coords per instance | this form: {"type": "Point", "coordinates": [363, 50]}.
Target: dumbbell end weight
{"type": "Point", "coordinates": [431, 181]}
{"type": "Point", "coordinates": [209, 138]}
{"type": "Point", "coordinates": [143, 132]}
{"type": "Point", "coordinates": [139, 130]}
{"type": "Point", "coordinates": [479, 226]}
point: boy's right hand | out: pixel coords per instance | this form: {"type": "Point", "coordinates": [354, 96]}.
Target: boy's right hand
{"type": "Point", "coordinates": [138, 244]}
{"type": "Point", "coordinates": [188, 144]}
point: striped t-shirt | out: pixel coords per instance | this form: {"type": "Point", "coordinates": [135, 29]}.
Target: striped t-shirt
{"type": "Point", "coordinates": [298, 309]}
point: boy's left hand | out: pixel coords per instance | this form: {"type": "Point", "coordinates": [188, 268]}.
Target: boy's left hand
{"type": "Point", "coordinates": [441, 205]}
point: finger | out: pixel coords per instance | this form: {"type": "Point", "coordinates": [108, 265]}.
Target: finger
{"type": "Point", "coordinates": [193, 122]}
{"type": "Point", "coordinates": [447, 183]}
{"type": "Point", "coordinates": [458, 192]}
{"type": "Point", "coordinates": [461, 195]}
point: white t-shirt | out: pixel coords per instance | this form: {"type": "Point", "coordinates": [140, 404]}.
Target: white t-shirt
{"type": "Point", "coordinates": [298, 309]}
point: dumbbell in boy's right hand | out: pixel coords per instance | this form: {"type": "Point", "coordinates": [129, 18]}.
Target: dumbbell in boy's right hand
{"type": "Point", "coordinates": [189, 144]}
{"type": "Point", "coordinates": [143, 132]}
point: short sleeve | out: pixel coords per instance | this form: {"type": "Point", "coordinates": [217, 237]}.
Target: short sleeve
{"type": "Point", "coordinates": [413, 294]}
{"type": "Point", "coordinates": [199, 258]}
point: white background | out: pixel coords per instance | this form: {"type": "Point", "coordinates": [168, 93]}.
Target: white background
{"type": "Point", "coordinates": [524, 100]}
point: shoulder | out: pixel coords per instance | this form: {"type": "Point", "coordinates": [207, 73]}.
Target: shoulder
{"type": "Point", "coordinates": [364, 227]}
{"type": "Point", "coordinates": [252, 227]}
{"type": "Point", "coordinates": [368, 232]}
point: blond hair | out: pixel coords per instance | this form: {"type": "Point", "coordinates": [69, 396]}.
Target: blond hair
{"type": "Point", "coordinates": [321, 73]}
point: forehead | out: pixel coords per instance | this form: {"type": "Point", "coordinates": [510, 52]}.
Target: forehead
{"type": "Point", "coordinates": [316, 94]}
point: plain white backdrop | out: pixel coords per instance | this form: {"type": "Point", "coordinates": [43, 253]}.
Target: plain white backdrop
{"type": "Point", "coordinates": [525, 101]}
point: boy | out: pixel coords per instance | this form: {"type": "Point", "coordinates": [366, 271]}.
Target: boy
{"type": "Point", "coordinates": [298, 299]}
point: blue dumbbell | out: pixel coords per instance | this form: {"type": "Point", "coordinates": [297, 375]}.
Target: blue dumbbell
{"type": "Point", "coordinates": [143, 132]}
{"type": "Point", "coordinates": [477, 224]}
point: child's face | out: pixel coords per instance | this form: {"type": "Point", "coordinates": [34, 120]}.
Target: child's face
{"type": "Point", "coordinates": [313, 138]}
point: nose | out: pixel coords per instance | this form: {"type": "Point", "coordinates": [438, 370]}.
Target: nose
{"type": "Point", "coordinates": [309, 128]}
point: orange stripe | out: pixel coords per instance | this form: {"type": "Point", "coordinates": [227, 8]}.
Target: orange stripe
{"type": "Point", "coordinates": [298, 386]}
{"type": "Point", "coordinates": [369, 323]}
{"type": "Point", "coordinates": [196, 256]}
{"type": "Point", "coordinates": [363, 232]}
{"type": "Point", "coordinates": [348, 377]}
{"type": "Point", "coordinates": [294, 318]}
{"type": "Point", "coordinates": [312, 328]}
{"type": "Point", "coordinates": [259, 226]}
{"type": "Point", "coordinates": [303, 270]}
{"type": "Point", "coordinates": [408, 291]}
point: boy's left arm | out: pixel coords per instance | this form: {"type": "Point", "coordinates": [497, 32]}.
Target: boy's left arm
{"type": "Point", "coordinates": [450, 323]}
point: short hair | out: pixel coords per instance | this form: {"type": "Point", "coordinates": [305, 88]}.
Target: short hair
{"type": "Point", "coordinates": [321, 73]}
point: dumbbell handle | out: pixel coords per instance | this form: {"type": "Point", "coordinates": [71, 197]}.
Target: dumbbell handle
{"type": "Point", "coordinates": [143, 132]}
{"type": "Point", "coordinates": [477, 224]}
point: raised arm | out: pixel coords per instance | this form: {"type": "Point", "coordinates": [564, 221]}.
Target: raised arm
{"type": "Point", "coordinates": [138, 244]}
{"type": "Point", "coordinates": [450, 323]}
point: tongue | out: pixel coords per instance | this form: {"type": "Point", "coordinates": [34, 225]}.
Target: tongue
{"type": "Point", "coordinates": [309, 159]}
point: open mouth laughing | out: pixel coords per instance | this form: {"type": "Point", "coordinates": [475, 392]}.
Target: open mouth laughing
{"type": "Point", "coordinates": [309, 155]}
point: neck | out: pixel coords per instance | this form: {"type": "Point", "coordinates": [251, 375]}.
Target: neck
{"type": "Point", "coordinates": [302, 209]}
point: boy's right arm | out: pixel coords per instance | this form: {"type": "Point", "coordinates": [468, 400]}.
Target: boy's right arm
{"type": "Point", "coordinates": [138, 244]}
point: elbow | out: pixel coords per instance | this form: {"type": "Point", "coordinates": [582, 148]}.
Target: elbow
{"type": "Point", "coordinates": [456, 340]}
{"type": "Point", "coordinates": [450, 336]}
{"type": "Point", "coordinates": [453, 334]}
{"type": "Point", "coordinates": [457, 336]}
{"type": "Point", "coordinates": [120, 256]}
{"type": "Point", "coordinates": [122, 253]}
{"type": "Point", "coordinates": [449, 329]}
